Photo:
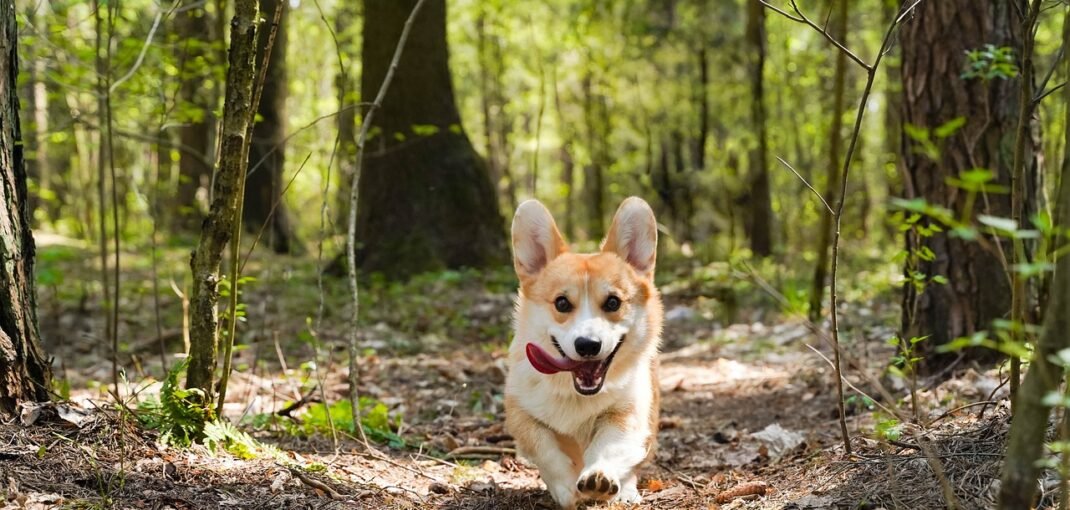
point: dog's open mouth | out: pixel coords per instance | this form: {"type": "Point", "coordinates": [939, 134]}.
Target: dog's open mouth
{"type": "Point", "coordinates": [587, 376]}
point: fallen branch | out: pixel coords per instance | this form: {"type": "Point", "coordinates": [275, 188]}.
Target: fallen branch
{"type": "Point", "coordinates": [315, 484]}
{"type": "Point", "coordinates": [479, 452]}
{"type": "Point", "coordinates": [305, 399]}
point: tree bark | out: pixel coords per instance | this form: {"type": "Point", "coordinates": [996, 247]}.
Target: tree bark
{"type": "Point", "coordinates": [193, 30]}
{"type": "Point", "coordinates": [218, 227]}
{"type": "Point", "coordinates": [759, 223]}
{"type": "Point", "coordinates": [267, 149]}
{"type": "Point", "coordinates": [934, 45]}
{"type": "Point", "coordinates": [25, 375]}
{"type": "Point", "coordinates": [426, 201]}
{"type": "Point", "coordinates": [1026, 443]}
{"type": "Point", "coordinates": [832, 175]}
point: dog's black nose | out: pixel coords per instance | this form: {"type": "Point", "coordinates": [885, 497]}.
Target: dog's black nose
{"type": "Point", "coordinates": [587, 348]}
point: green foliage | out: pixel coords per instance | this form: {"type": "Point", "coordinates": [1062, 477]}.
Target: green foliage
{"type": "Point", "coordinates": [888, 428]}
{"type": "Point", "coordinates": [379, 425]}
{"type": "Point", "coordinates": [179, 415]}
{"type": "Point", "coordinates": [990, 62]}
{"type": "Point", "coordinates": [221, 435]}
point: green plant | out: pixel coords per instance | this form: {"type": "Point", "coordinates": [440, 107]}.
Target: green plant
{"type": "Point", "coordinates": [904, 364]}
{"type": "Point", "coordinates": [990, 62]}
{"type": "Point", "coordinates": [221, 435]}
{"type": "Point", "coordinates": [379, 425]}
{"type": "Point", "coordinates": [180, 414]}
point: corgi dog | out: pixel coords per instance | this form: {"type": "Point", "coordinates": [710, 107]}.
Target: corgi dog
{"type": "Point", "coordinates": [581, 395]}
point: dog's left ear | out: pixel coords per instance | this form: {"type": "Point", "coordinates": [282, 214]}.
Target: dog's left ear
{"type": "Point", "coordinates": [634, 235]}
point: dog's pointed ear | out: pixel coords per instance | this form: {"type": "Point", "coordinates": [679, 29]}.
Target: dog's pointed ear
{"type": "Point", "coordinates": [536, 240]}
{"type": "Point", "coordinates": [634, 235]}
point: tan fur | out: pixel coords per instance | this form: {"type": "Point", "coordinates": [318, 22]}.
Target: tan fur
{"type": "Point", "coordinates": [586, 446]}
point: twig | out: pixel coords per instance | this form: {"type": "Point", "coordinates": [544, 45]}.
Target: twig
{"type": "Point", "coordinates": [375, 454]}
{"type": "Point", "coordinates": [801, 18]}
{"type": "Point", "coordinates": [959, 408]}
{"type": "Point", "coordinates": [145, 47]}
{"type": "Point", "coordinates": [312, 482]}
{"type": "Point", "coordinates": [305, 399]}
{"type": "Point", "coordinates": [469, 451]}
{"type": "Point", "coordinates": [351, 237]}
{"type": "Point", "coordinates": [801, 178]}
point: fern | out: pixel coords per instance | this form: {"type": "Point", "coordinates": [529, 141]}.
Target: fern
{"type": "Point", "coordinates": [179, 415]}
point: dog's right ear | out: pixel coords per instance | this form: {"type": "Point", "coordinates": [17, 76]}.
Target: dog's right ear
{"type": "Point", "coordinates": [536, 240]}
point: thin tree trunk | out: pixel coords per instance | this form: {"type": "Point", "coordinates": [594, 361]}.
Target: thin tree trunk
{"type": "Point", "coordinates": [1026, 443]}
{"type": "Point", "coordinates": [832, 176]}
{"type": "Point", "coordinates": [1019, 287]}
{"type": "Point", "coordinates": [568, 164]}
{"type": "Point", "coordinates": [219, 225]}
{"type": "Point", "coordinates": [593, 172]}
{"type": "Point", "coordinates": [25, 375]}
{"type": "Point", "coordinates": [264, 206]}
{"type": "Point", "coordinates": [760, 219]}
{"type": "Point", "coordinates": [348, 96]}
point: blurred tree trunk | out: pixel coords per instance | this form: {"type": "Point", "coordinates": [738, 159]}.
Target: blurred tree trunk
{"type": "Point", "coordinates": [193, 34]}
{"type": "Point", "coordinates": [593, 172]}
{"type": "Point", "coordinates": [759, 222]}
{"type": "Point", "coordinates": [348, 97]}
{"type": "Point", "coordinates": [267, 149]}
{"type": "Point", "coordinates": [493, 109]}
{"type": "Point", "coordinates": [1026, 443]}
{"type": "Point", "coordinates": [568, 164]}
{"type": "Point", "coordinates": [35, 110]}
{"type": "Point", "coordinates": [25, 375]}
{"type": "Point", "coordinates": [934, 45]}
{"type": "Point", "coordinates": [426, 198]}
{"type": "Point", "coordinates": [832, 171]}
{"type": "Point", "coordinates": [682, 188]}
{"type": "Point", "coordinates": [218, 226]}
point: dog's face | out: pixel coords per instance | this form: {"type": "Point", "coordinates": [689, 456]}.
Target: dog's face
{"type": "Point", "coordinates": [585, 313]}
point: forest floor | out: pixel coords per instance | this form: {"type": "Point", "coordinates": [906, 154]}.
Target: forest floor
{"type": "Point", "coordinates": [747, 403]}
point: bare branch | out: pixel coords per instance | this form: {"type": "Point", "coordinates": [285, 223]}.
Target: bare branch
{"type": "Point", "coordinates": [818, 194]}
{"type": "Point", "coordinates": [801, 18]}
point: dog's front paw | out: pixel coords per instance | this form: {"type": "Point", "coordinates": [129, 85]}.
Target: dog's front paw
{"type": "Point", "coordinates": [597, 485]}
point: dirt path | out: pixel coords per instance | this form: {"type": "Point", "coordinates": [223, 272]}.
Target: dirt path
{"type": "Point", "coordinates": [743, 405]}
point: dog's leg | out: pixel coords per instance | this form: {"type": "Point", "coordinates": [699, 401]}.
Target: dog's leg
{"type": "Point", "coordinates": [622, 440]}
{"type": "Point", "coordinates": [557, 457]}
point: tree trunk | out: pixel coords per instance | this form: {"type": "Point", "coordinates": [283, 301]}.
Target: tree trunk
{"type": "Point", "coordinates": [192, 28]}
{"type": "Point", "coordinates": [218, 227]}
{"type": "Point", "coordinates": [568, 164]}
{"type": "Point", "coordinates": [759, 223]}
{"type": "Point", "coordinates": [426, 198]}
{"type": "Point", "coordinates": [934, 45]}
{"type": "Point", "coordinates": [1026, 443]}
{"type": "Point", "coordinates": [832, 173]}
{"type": "Point", "coordinates": [25, 375]}
{"type": "Point", "coordinates": [593, 172]}
{"type": "Point", "coordinates": [348, 97]}
{"type": "Point", "coordinates": [267, 149]}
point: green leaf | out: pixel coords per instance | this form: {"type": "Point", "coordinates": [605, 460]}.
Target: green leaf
{"type": "Point", "coordinates": [950, 127]}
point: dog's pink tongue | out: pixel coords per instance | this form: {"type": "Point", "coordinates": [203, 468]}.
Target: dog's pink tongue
{"type": "Point", "coordinates": [546, 363]}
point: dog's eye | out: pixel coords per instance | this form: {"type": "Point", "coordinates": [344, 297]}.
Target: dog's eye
{"type": "Point", "coordinates": [562, 304]}
{"type": "Point", "coordinates": [612, 304]}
